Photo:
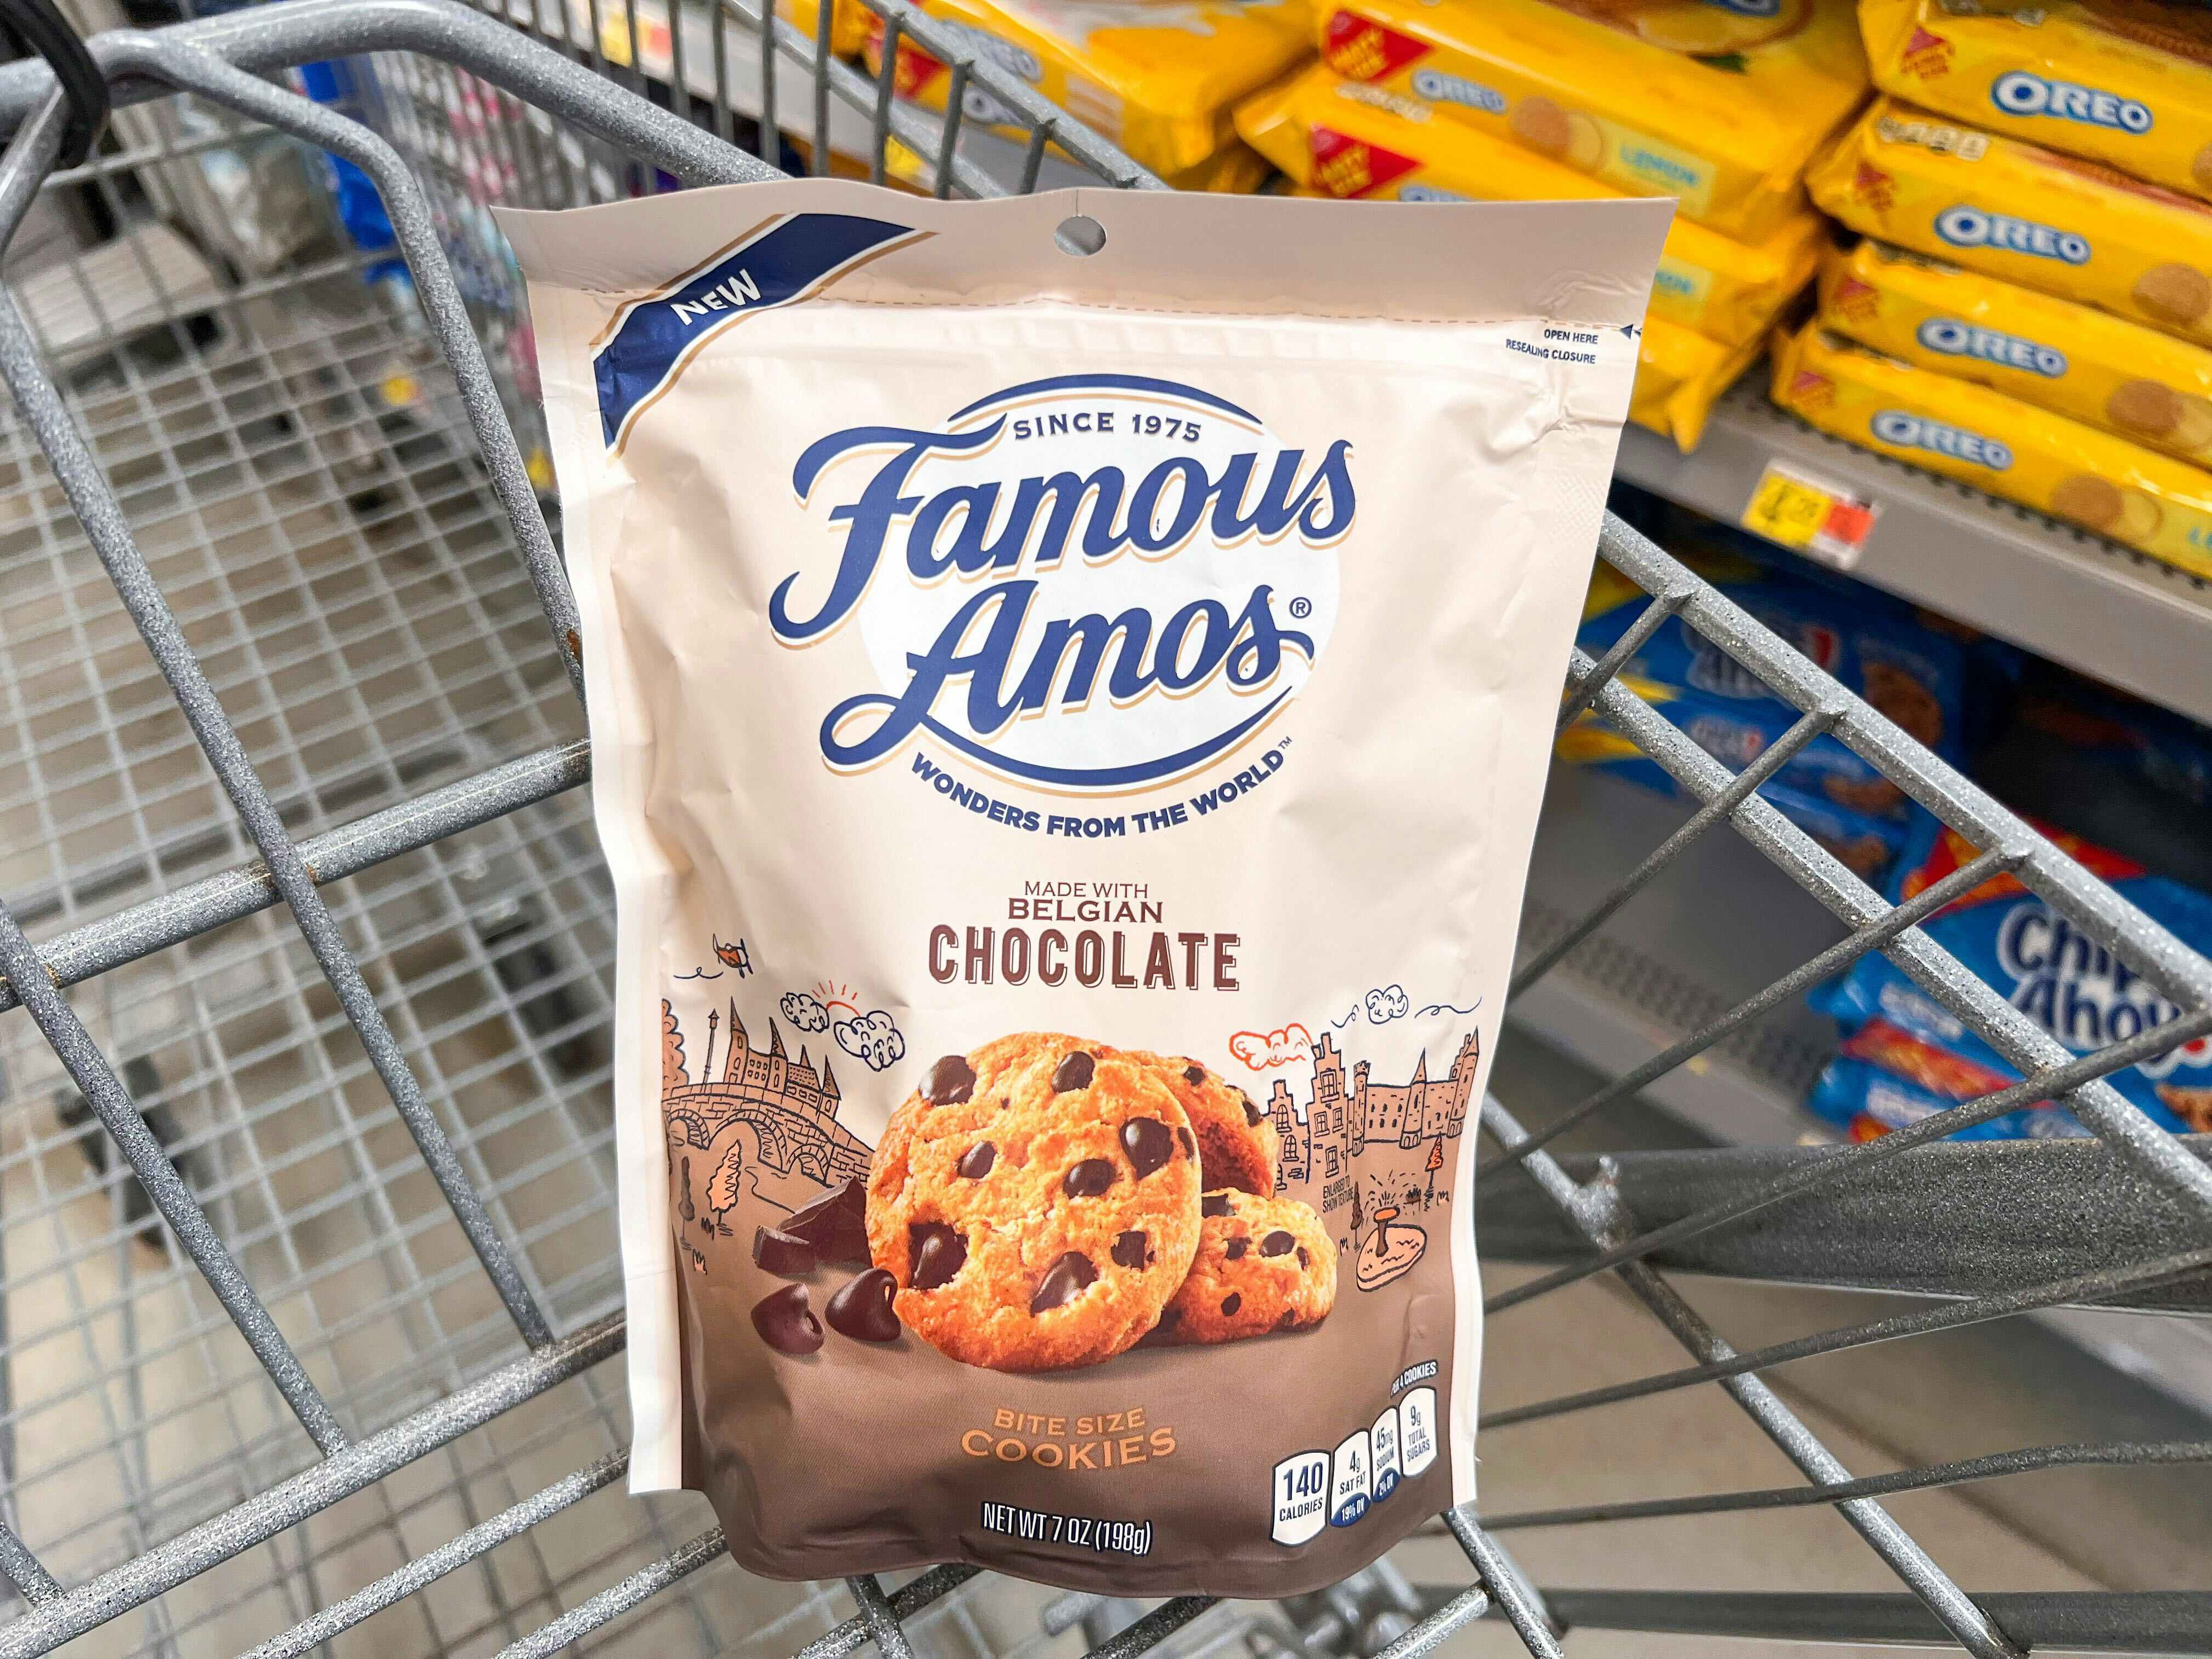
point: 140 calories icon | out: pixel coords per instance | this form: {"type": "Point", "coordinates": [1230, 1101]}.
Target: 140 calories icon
{"type": "Point", "coordinates": [1317, 1489]}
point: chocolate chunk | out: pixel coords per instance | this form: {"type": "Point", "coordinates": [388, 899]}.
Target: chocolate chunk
{"type": "Point", "coordinates": [1189, 1144]}
{"type": "Point", "coordinates": [862, 1310]}
{"type": "Point", "coordinates": [1088, 1179]}
{"type": "Point", "coordinates": [783, 1253]}
{"type": "Point", "coordinates": [951, 1081]}
{"type": "Point", "coordinates": [1132, 1250]}
{"type": "Point", "coordinates": [1074, 1072]}
{"type": "Point", "coordinates": [1232, 1249]}
{"type": "Point", "coordinates": [937, 1253]}
{"type": "Point", "coordinates": [1304, 1260]}
{"type": "Point", "coordinates": [1213, 1204]}
{"type": "Point", "coordinates": [975, 1163]}
{"type": "Point", "coordinates": [1064, 1280]}
{"type": "Point", "coordinates": [1158, 1336]}
{"type": "Point", "coordinates": [1230, 1304]}
{"type": "Point", "coordinates": [1251, 1112]}
{"type": "Point", "coordinates": [1194, 1074]}
{"type": "Point", "coordinates": [1290, 1318]}
{"type": "Point", "coordinates": [835, 1223]}
{"type": "Point", "coordinates": [786, 1324]}
{"type": "Point", "coordinates": [1148, 1144]}
{"type": "Point", "coordinates": [1277, 1242]}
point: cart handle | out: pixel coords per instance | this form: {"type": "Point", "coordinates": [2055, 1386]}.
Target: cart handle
{"type": "Point", "coordinates": [40, 25]}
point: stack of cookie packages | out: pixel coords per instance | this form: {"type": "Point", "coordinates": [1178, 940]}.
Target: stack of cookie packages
{"type": "Point", "coordinates": [2036, 188]}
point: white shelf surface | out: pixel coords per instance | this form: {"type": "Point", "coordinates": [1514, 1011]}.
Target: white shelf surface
{"type": "Point", "coordinates": [2075, 597]}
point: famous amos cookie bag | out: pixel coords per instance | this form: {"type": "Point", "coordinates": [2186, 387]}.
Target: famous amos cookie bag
{"type": "Point", "coordinates": [1069, 717]}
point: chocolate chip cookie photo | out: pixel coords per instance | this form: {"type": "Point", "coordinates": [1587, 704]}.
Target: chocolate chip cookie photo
{"type": "Point", "coordinates": [1035, 1203]}
{"type": "Point", "coordinates": [1237, 1146]}
{"type": "Point", "coordinates": [1264, 1264]}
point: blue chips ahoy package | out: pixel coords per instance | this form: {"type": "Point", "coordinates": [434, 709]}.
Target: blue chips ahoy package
{"type": "Point", "coordinates": [1903, 1051]}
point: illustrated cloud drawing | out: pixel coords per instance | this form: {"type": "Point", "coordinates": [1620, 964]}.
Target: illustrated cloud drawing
{"type": "Point", "coordinates": [1388, 1003]}
{"type": "Point", "coordinates": [1262, 1050]}
{"type": "Point", "coordinates": [804, 1012]}
{"type": "Point", "coordinates": [873, 1039]}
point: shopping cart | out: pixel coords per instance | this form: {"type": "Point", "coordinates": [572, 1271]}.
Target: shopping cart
{"type": "Point", "coordinates": [305, 1174]}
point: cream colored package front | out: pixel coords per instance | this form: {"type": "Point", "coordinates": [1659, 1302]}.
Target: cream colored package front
{"type": "Point", "coordinates": [1067, 732]}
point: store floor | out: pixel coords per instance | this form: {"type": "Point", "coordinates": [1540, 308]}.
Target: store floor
{"type": "Point", "coordinates": [1878, 1409]}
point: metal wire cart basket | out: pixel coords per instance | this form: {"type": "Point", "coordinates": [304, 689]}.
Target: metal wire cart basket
{"type": "Point", "coordinates": [305, 1173]}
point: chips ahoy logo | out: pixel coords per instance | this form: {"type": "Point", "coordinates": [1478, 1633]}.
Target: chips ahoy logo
{"type": "Point", "coordinates": [2077, 990]}
{"type": "Point", "coordinates": [1091, 582]}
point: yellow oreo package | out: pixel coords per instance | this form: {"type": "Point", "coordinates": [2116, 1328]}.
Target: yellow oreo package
{"type": "Point", "coordinates": [1349, 139]}
{"type": "Point", "coordinates": [2155, 504]}
{"type": "Point", "coordinates": [1679, 376]}
{"type": "Point", "coordinates": [2127, 82]}
{"type": "Point", "coordinates": [1155, 76]}
{"type": "Point", "coordinates": [849, 23]}
{"type": "Point", "coordinates": [2068, 227]}
{"type": "Point", "coordinates": [2062, 356]}
{"type": "Point", "coordinates": [1718, 102]}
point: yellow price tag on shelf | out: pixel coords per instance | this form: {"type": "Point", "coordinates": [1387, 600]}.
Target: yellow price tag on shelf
{"type": "Point", "coordinates": [1826, 521]}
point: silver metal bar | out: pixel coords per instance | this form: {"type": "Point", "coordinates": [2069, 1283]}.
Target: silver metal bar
{"type": "Point", "coordinates": [1584, 684]}
{"type": "Point", "coordinates": [1154, 1628]}
{"type": "Point", "coordinates": [459, 1551]}
{"type": "Point", "coordinates": [643, 1585]}
{"type": "Point", "coordinates": [311, 1492]}
{"type": "Point", "coordinates": [886, 81]}
{"type": "Point", "coordinates": [883, 1627]}
{"type": "Point", "coordinates": [1844, 1163]}
{"type": "Point", "coordinates": [2098, 1288]}
{"type": "Point", "coordinates": [2076, 1621]}
{"type": "Point", "coordinates": [2180, 972]}
{"type": "Point", "coordinates": [906, 1600]}
{"type": "Point", "coordinates": [1599, 1214]}
{"type": "Point", "coordinates": [1833, 960]}
{"type": "Point", "coordinates": [139, 931]}
{"type": "Point", "coordinates": [86, 487]}
{"type": "Point", "coordinates": [1511, 1593]}
{"type": "Point", "coordinates": [2029, 1459]}
{"type": "Point", "coordinates": [948, 145]}
{"type": "Point", "coordinates": [23, 1569]}
{"type": "Point", "coordinates": [1439, 1626]}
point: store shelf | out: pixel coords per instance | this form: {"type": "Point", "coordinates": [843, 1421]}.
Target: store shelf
{"type": "Point", "coordinates": [1720, 924]}
{"type": "Point", "coordinates": [2072, 596]}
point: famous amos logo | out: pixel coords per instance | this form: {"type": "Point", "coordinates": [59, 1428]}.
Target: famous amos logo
{"type": "Point", "coordinates": [1096, 582]}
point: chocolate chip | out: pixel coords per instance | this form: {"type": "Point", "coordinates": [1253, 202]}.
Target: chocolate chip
{"type": "Point", "coordinates": [1233, 1249]}
{"type": "Point", "coordinates": [975, 1163]}
{"type": "Point", "coordinates": [1075, 1072]}
{"type": "Point", "coordinates": [1277, 1242]}
{"type": "Point", "coordinates": [936, 1254]}
{"type": "Point", "coordinates": [862, 1310]}
{"type": "Point", "coordinates": [1251, 1112]}
{"type": "Point", "coordinates": [786, 1324]}
{"type": "Point", "coordinates": [1148, 1143]}
{"type": "Point", "coordinates": [1290, 1318]}
{"type": "Point", "coordinates": [1088, 1179]}
{"type": "Point", "coordinates": [1132, 1250]}
{"type": "Point", "coordinates": [1304, 1260]}
{"type": "Point", "coordinates": [951, 1081]}
{"type": "Point", "coordinates": [1230, 1304]}
{"type": "Point", "coordinates": [1158, 1336]}
{"type": "Point", "coordinates": [1194, 1074]}
{"type": "Point", "coordinates": [835, 1223]}
{"type": "Point", "coordinates": [783, 1253]}
{"type": "Point", "coordinates": [1063, 1281]}
{"type": "Point", "coordinates": [1189, 1145]}
{"type": "Point", "coordinates": [1213, 1204]}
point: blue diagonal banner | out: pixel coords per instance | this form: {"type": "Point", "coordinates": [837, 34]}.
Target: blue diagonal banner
{"type": "Point", "coordinates": [785, 261]}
